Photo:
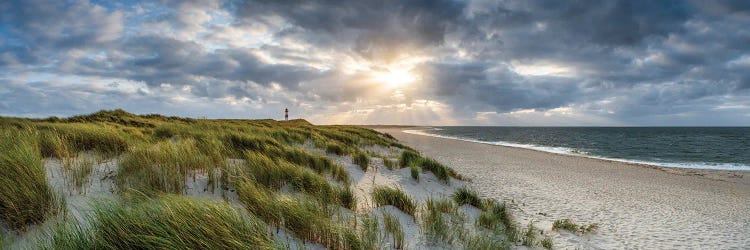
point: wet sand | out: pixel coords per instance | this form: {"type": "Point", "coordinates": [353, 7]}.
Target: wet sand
{"type": "Point", "coordinates": [636, 206]}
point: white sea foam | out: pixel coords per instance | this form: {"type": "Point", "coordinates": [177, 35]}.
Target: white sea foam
{"type": "Point", "coordinates": [578, 152]}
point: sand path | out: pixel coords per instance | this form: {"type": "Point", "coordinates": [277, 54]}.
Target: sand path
{"type": "Point", "coordinates": [637, 207]}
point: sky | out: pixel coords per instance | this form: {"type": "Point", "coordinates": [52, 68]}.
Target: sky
{"type": "Point", "coordinates": [421, 62]}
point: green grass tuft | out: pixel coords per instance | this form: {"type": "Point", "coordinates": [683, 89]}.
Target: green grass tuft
{"type": "Point", "coordinates": [414, 170]}
{"type": "Point", "coordinates": [529, 237]}
{"type": "Point", "coordinates": [369, 232]}
{"type": "Point", "coordinates": [362, 160]}
{"type": "Point", "coordinates": [389, 164]}
{"type": "Point", "coordinates": [407, 157]}
{"type": "Point", "coordinates": [392, 227]}
{"type": "Point", "coordinates": [546, 243]}
{"type": "Point", "coordinates": [169, 222]}
{"type": "Point", "coordinates": [303, 217]}
{"type": "Point", "coordinates": [463, 195]}
{"type": "Point", "coordinates": [395, 197]}
{"type": "Point", "coordinates": [163, 167]}
{"type": "Point", "coordinates": [496, 217]}
{"type": "Point", "coordinates": [569, 225]}
{"type": "Point", "coordinates": [26, 197]}
{"type": "Point", "coordinates": [335, 149]}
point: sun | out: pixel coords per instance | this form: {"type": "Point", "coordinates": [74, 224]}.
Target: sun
{"type": "Point", "coordinates": [394, 77]}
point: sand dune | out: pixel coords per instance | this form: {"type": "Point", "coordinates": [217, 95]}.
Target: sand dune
{"type": "Point", "coordinates": [636, 207]}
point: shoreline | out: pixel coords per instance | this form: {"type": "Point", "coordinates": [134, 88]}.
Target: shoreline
{"type": "Point", "coordinates": [665, 167]}
{"type": "Point", "coordinates": [636, 205]}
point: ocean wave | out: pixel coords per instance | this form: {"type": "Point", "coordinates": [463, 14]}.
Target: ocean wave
{"type": "Point", "coordinates": [581, 153]}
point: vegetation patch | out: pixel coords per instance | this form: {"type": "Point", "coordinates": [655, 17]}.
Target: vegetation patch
{"type": "Point", "coordinates": [414, 170]}
{"type": "Point", "coordinates": [392, 228]}
{"type": "Point", "coordinates": [529, 236]}
{"type": "Point", "coordinates": [409, 158]}
{"type": "Point", "coordinates": [26, 197]}
{"type": "Point", "coordinates": [362, 160]}
{"type": "Point", "coordinates": [306, 218]}
{"type": "Point", "coordinates": [383, 196]}
{"type": "Point", "coordinates": [463, 195]}
{"type": "Point", "coordinates": [169, 222]}
{"type": "Point", "coordinates": [335, 149]}
{"type": "Point", "coordinates": [162, 167]}
{"type": "Point", "coordinates": [546, 243]}
{"type": "Point", "coordinates": [567, 224]}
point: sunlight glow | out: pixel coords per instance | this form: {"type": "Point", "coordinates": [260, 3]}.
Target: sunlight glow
{"type": "Point", "coordinates": [394, 77]}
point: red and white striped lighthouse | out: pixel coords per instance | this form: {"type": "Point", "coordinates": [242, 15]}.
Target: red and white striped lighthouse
{"type": "Point", "coordinates": [286, 114]}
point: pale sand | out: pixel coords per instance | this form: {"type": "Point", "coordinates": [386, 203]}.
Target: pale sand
{"type": "Point", "coordinates": [636, 206]}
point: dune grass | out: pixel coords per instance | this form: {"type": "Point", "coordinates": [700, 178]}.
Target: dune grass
{"type": "Point", "coordinates": [389, 164]}
{"type": "Point", "coordinates": [567, 224]}
{"type": "Point", "coordinates": [495, 216]}
{"type": "Point", "coordinates": [464, 195]}
{"type": "Point", "coordinates": [79, 137]}
{"type": "Point", "coordinates": [392, 227]}
{"type": "Point", "coordinates": [26, 197]}
{"type": "Point", "coordinates": [409, 158]}
{"type": "Point", "coordinates": [529, 236]}
{"type": "Point", "coordinates": [335, 149]}
{"type": "Point", "coordinates": [78, 171]}
{"type": "Point", "coordinates": [169, 222]}
{"type": "Point", "coordinates": [278, 181]}
{"type": "Point", "coordinates": [414, 170]}
{"type": "Point", "coordinates": [162, 167]}
{"type": "Point", "coordinates": [546, 243]}
{"type": "Point", "coordinates": [304, 217]}
{"type": "Point", "coordinates": [362, 160]}
{"type": "Point", "coordinates": [369, 232]}
{"type": "Point", "coordinates": [440, 221]}
{"type": "Point", "coordinates": [276, 174]}
{"type": "Point", "coordinates": [382, 196]}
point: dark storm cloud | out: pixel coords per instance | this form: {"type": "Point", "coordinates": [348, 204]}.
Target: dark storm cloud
{"type": "Point", "coordinates": [371, 28]}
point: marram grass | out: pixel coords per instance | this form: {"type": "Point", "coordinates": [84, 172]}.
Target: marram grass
{"type": "Point", "coordinates": [26, 197]}
{"type": "Point", "coordinates": [382, 196]}
{"type": "Point", "coordinates": [278, 181]}
{"type": "Point", "coordinates": [166, 222]}
{"type": "Point", "coordinates": [362, 160]}
{"type": "Point", "coordinates": [464, 195]}
{"type": "Point", "coordinates": [305, 218]}
{"type": "Point", "coordinates": [162, 167]}
{"type": "Point", "coordinates": [392, 227]}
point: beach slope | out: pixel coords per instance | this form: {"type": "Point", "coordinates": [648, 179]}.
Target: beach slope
{"type": "Point", "coordinates": [635, 206]}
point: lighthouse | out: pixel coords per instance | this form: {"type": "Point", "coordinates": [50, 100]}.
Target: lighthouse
{"type": "Point", "coordinates": [286, 114]}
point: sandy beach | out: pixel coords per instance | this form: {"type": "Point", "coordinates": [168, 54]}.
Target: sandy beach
{"type": "Point", "coordinates": [635, 206]}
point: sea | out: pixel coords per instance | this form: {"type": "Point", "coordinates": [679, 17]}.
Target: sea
{"type": "Point", "coordinates": [726, 148]}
